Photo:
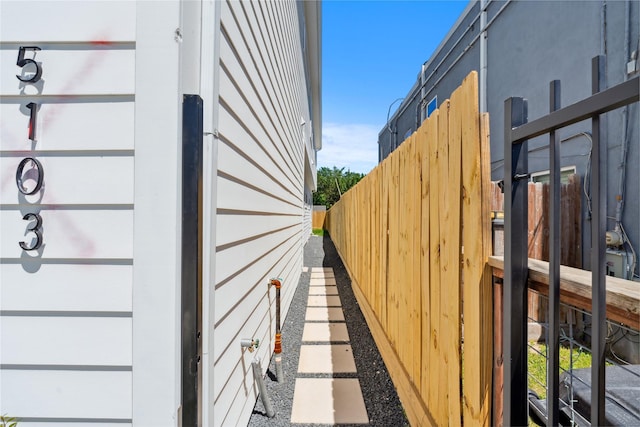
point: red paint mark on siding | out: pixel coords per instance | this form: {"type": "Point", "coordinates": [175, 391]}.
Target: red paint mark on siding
{"type": "Point", "coordinates": [83, 243]}
{"type": "Point", "coordinates": [101, 43]}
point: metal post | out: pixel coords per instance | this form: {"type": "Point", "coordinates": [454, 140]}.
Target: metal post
{"type": "Point", "coordinates": [191, 287]}
{"type": "Point", "coordinates": [598, 232]}
{"type": "Point", "coordinates": [515, 267]}
{"type": "Point", "coordinates": [553, 347]}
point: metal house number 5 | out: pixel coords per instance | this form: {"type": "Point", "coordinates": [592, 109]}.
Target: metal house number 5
{"type": "Point", "coordinates": [22, 61]}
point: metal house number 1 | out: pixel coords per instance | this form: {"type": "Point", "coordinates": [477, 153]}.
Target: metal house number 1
{"type": "Point", "coordinates": [35, 219]}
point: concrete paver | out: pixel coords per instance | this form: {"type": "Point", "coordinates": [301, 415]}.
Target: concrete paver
{"type": "Point", "coordinates": [326, 359]}
{"type": "Point", "coordinates": [328, 401]}
{"type": "Point", "coordinates": [324, 301]}
{"type": "Point", "coordinates": [323, 290]}
{"type": "Point", "coordinates": [325, 332]}
{"type": "Point", "coordinates": [324, 314]}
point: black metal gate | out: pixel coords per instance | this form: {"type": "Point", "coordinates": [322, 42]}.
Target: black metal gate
{"type": "Point", "coordinates": [191, 286]}
{"type": "Point", "coordinates": [516, 133]}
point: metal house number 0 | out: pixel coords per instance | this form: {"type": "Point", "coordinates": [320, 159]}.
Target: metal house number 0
{"type": "Point", "coordinates": [36, 227]}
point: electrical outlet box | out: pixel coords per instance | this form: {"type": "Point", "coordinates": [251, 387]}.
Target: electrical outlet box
{"type": "Point", "coordinates": [618, 263]}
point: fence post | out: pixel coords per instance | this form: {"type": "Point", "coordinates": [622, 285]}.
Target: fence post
{"type": "Point", "coordinates": [598, 231]}
{"type": "Point", "coordinates": [553, 333]}
{"type": "Point", "coordinates": [515, 266]}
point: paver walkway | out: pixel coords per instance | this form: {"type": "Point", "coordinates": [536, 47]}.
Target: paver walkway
{"type": "Point", "coordinates": [326, 350]}
{"type": "Point", "coordinates": [333, 371]}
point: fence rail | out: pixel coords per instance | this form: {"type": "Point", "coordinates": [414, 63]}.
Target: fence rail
{"type": "Point", "coordinates": [415, 235]}
{"type": "Point", "coordinates": [622, 296]}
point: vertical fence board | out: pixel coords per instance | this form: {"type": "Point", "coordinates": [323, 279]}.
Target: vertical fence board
{"type": "Point", "coordinates": [403, 306]}
{"type": "Point", "coordinates": [531, 215]}
{"type": "Point", "coordinates": [375, 243]}
{"type": "Point", "coordinates": [434, 242]}
{"type": "Point", "coordinates": [416, 294]}
{"type": "Point", "coordinates": [545, 221]}
{"type": "Point", "coordinates": [454, 296]}
{"type": "Point", "coordinates": [539, 221]}
{"type": "Point", "coordinates": [575, 195]}
{"type": "Point", "coordinates": [426, 134]}
{"type": "Point", "coordinates": [434, 268]}
{"type": "Point", "coordinates": [485, 302]}
{"type": "Point", "coordinates": [476, 241]}
{"type": "Point", "coordinates": [394, 247]}
{"type": "Point", "coordinates": [444, 206]}
{"type": "Point", "coordinates": [384, 275]}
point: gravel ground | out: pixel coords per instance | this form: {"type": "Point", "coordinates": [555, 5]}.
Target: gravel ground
{"type": "Point", "coordinates": [380, 397]}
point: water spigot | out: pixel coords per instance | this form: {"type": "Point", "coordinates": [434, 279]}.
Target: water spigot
{"type": "Point", "coordinates": [250, 344]}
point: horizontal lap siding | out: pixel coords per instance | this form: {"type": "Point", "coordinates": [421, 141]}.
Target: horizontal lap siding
{"type": "Point", "coordinates": [66, 310]}
{"type": "Point", "coordinates": [260, 206]}
{"type": "Point", "coordinates": [66, 395]}
{"type": "Point", "coordinates": [101, 288]}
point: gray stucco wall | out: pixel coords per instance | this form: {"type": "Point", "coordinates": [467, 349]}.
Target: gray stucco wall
{"type": "Point", "coordinates": [443, 73]}
{"type": "Point", "coordinates": [529, 44]}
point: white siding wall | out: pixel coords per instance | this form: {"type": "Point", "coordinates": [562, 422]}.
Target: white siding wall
{"type": "Point", "coordinates": [88, 321]}
{"type": "Point", "coordinates": [263, 103]}
{"type": "Point", "coordinates": [308, 210]}
{"type": "Point", "coordinates": [156, 274]}
{"type": "Point", "coordinates": [66, 309]}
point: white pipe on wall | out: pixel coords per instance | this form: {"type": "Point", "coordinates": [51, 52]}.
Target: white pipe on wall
{"type": "Point", "coordinates": [483, 56]}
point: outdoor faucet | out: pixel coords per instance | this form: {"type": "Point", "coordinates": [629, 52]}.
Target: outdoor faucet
{"type": "Point", "coordinates": [249, 344]}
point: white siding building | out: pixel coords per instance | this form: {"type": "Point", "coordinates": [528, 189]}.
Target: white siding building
{"type": "Point", "coordinates": [107, 230]}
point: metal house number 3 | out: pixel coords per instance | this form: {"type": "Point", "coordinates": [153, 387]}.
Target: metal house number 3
{"type": "Point", "coordinates": [34, 227]}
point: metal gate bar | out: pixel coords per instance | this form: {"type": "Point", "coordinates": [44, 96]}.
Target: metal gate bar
{"type": "Point", "coordinates": [553, 333]}
{"type": "Point", "coordinates": [191, 286]}
{"type": "Point", "coordinates": [517, 131]}
{"type": "Point", "coordinates": [598, 236]}
{"type": "Point", "coordinates": [515, 267]}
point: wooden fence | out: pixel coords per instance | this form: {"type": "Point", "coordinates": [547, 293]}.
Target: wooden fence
{"type": "Point", "coordinates": [317, 217]}
{"type": "Point", "coordinates": [538, 235]}
{"type": "Point", "coordinates": [409, 233]}
{"type": "Point", "coordinates": [570, 219]}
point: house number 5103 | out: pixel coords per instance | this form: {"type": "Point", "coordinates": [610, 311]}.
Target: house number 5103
{"type": "Point", "coordinates": [36, 171]}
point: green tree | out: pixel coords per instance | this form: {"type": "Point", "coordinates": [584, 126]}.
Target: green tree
{"type": "Point", "coordinates": [328, 182]}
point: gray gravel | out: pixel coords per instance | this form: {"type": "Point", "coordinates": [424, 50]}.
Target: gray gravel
{"type": "Point", "coordinates": [380, 397]}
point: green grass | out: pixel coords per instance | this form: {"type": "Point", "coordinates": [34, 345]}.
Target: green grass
{"type": "Point", "coordinates": [318, 232]}
{"type": "Point", "coordinates": [537, 364]}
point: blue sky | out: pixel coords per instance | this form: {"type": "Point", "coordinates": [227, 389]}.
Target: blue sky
{"type": "Point", "coordinates": [372, 51]}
